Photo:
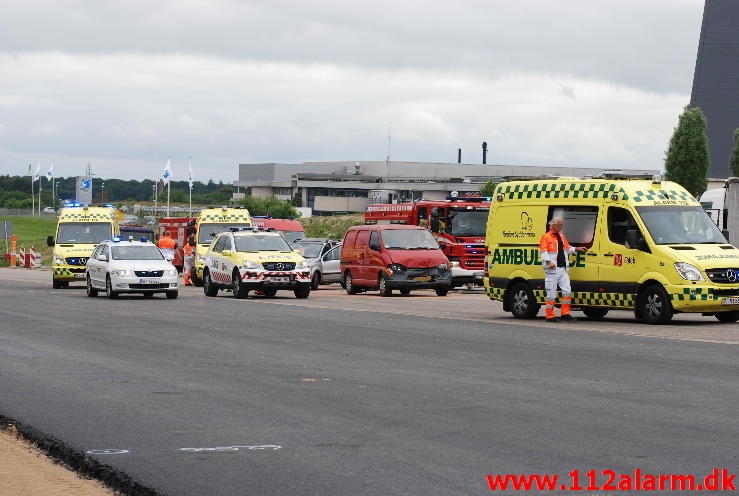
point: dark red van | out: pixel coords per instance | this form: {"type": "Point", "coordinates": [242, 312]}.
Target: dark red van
{"type": "Point", "coordinates": [387, 257]}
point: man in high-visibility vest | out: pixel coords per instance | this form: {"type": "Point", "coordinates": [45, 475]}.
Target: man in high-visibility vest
{"type": "Point", "coordinates": [166, 242]}
{"type": "Point", "coordinates": [555, 251]}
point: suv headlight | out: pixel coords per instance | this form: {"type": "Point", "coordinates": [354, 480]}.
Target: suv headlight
{"type": "Point", "coordinates": [249, 264]}
{"type": "Point", "coordinates": [58, 260]}
{"type": "Point", "coordinates": [302, 265]}
{"type": "Point", "coordinates": [124, 272]}
{"type": "Point", "coordinates": [688, 272]}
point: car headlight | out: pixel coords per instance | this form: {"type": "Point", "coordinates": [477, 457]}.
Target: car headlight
{"type": "Point", "coordinates": [249, 264]}
{"type": "Point", "coordinates": [688, 272]}
{"type": "Point", "coordinates": [170, 272]}
{"type": "Point", "coordinates": [396, 267]}
{"type": "Point", "coordinates": [124, 272]}
{"type": "Point", "coordinates": [200, 258]}
{"type": "Point", "coordinates": [302, 265]}
{"type": "Point", "coordinates": [58, 260]}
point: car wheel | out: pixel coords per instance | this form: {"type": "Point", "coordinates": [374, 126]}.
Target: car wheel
{"type": "Point", "coordinates": [383, 287]}
{"type": "Point", "coordinates": [655, 305]}
{"type": "Point", "coordinates": [269, 292]}
{"type": "Point", "coordinates": [239, 289]}
{"type": "Point", "coordinates": [442, 291]}
{"type": "Point", "coordinates": [302, 291]}
{"type": "Point", "coordinates": [208, 288]}
{"type": "Point", "coordinates": [405, 291]}
{"type": "Point", "coordinates": [595, 313]}
{"type": "Point", "coordinates": [315, 280]}
{"type": "Point", "coordinates": [728, 317]}
{"type": "Point", "coordinates": [523, 302]}
{"type": "Point", "coordinates": [56, 284]}
{"type": "Point", "coordinates": [196, 281]}
{"type": "Point", "coordinates": [91, 292]}
{"type": "Point", "coordinates": [172, 295]}
{"type": "Point", "coordinates": [148, 295]}
{"type": "Point", "coordinates": [109, 289]}
{"type": "Point", "coordinates": [349, 284]}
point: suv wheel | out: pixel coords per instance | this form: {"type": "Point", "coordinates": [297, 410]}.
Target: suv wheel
{"type": "Point", "coordinates": [655, 305]}
{"type": "Point", "coordinates": [523, 302]}
{"type": "Point", "coordinates": [240, 290]}
{"type": "Point", "coordinates": [208, 288]}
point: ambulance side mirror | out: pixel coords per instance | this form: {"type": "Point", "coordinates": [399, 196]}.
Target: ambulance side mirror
{"type": "Point", "coordinates": [50, 241]}
{"type": "Point", "coordinates": [635, 241]}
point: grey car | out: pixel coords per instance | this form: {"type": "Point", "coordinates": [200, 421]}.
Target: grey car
{"type": "Point", "coordinates": [323, 256]}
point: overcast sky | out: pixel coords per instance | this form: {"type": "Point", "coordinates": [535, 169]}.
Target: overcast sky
{"type": "Point", "coordinates": [545, 82]}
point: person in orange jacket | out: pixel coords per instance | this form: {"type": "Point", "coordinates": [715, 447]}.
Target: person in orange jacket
{"type": "Point", "coordinates": [555, 251]}
{"type": "Point", "coordinates": [189, 260]}
{"type": "Point", "coordinates": [166, 242]}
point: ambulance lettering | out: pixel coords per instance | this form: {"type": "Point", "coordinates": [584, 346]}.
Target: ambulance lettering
{"type": "Point", "coordinates": [520, 256]}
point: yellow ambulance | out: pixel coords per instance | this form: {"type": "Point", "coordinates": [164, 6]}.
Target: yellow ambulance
{"type": "Point", "coordinates": [79, 229]}
{"type": "Point", "coordinates": [211, 222]}
{"type": "Point", "coordinates": [651, 248]}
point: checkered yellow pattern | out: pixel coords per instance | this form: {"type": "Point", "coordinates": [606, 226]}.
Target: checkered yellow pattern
{"type": "Point", "coordinates": [694, 294]}
{"type": "Point", "coordinates": [81, 215]}
{"type": "Point", "coordinates": [662, 194]}
{"type": "Point", "coordinates": [560, 190]}
{"type": "Point", "coordinates": [227, 216]}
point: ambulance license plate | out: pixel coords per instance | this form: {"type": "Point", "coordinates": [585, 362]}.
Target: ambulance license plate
{"type": "Point", "coordinates": [278, 279]}
{"type": "Point", "coordinates": [80, 275]}
{"type": "Point", "coordinates": [422, 278]}
{"type": "Point", "coordinates": [148, 281]}
{"type": "Point", "coordinates": [730, 301]}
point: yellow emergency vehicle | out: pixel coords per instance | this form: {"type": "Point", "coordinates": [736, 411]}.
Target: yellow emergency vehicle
{"type": "Point", "coordinates": [79, 230]}
{"type": "Point", "coordinates": [255, 260]}
{"type": "Point", "coordinates": [211, 222]}
{"type": "Point", "coordinates": [651, 249]}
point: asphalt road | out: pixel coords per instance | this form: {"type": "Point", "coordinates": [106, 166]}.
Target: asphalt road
{"type": "Point", "coordinates": [359, 395]}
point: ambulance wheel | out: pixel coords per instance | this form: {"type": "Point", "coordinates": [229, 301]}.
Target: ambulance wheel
{"type": "Point", "coordinates": [196, 281]}
{"type": "Point", "coordinates": [595, 313]}
{"type": "Point", "coordinates": [383, 287]}
{"type": "Point", "coordinates": [315, 280]}
{"type": "Point", "coordinates": [302, 291]}
{"type": "Point", "coordinates": [655, 305]}
{"type": "Point", "coordinates": [56, 284]}
{"type": "Point", "coordinates": [269, 292]}
{"type": "Point", "coordinates": [91, 292]}
{"type": "Point", "coordinates": [349, 284]}
{"type": "Point", "coordinates": [172, 295]}
{"type": "Point", "coordinates": [405, 291]}
{"type": "Point", "coordinates": [728, 317]}
{"type": "Point", "coordinates": [239, 289]}
{"type": "Point", "coordinates": [208, 288]}
{"type": "Point", "coordinates": [109, 289]}
{"type": "Point", "coordinates": [442, 291]}
{"type": "Point", "coordinates": [523, 302]}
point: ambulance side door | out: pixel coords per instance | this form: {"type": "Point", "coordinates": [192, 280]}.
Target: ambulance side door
{"type": "Point", "coordinates": [581, 224]}
{"type": "Point", "coordinates": [620, 264]}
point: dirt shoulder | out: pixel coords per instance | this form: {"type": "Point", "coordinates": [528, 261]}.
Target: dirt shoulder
{"type": "Point", "coordinates": [26, 471]}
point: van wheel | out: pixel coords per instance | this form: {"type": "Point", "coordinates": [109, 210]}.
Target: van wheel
{"type": "Point", "coordinates": [383, 287]}
{"type": "Point", "coordinates": [442, 291]}
{"type": "Point", "coordinates": [239, 289]}
{"type": "Point", "coordinates": [302, 291]}
{"type": "Point", "coordinates": [349, 284]}
{"type": "Point", "coordinates": [405, 291]}
{"type": "Point", "coordinates": [315, 280]}
{"type": "Point", "coordinates": [109, 289]}
{"type": "Point", "coordinates": [655, 305]}
{"type": "Point", "coordinates": [208, 288]}
{"type": "Point", "coordinates": [91, 292]}
{"type": "Point", "coordinates": [728, 317]}
{"type": "Point", "coordinates": [523, 302]}
{"type": "Point", "coordinates": [595, 313]}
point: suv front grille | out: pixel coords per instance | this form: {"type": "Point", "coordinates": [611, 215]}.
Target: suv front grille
{"type": "Point", "coordinates": [148, 273]}
{"type": "Point", "coordinates": [278, 265]}
{"type": "Point", "coordinates": [724, 276]}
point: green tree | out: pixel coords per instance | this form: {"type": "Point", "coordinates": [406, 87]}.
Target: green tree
{"type": "Point", "coordinates": [297, 200]}
{"type": "Point", "coordinates": [734, 159]}
{"type": "Point", "coordinates": [488, 188]}
{"type": "Point", "coordinates": [271, 206]}
{"type": "Point", "coordinates": [688, 159]}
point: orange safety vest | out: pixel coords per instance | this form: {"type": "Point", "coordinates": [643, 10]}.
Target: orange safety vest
{"type": "Point", "coordinates": [167, 243]}
{"type": "Point", "coordinates": [548, 242]}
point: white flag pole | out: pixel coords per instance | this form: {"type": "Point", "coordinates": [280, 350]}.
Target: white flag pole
{"type": "Point", "coordinates": [189, 182]}
{"type": "Point", "coordinates": [39, 197]}
{"type": "Point", "coordinates": [33, 198]}
{"type": "Point", "coordinates": [169, 187]}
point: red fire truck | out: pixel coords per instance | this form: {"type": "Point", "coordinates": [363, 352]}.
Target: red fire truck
{"type": "Point", "coordinates": [458, 224]}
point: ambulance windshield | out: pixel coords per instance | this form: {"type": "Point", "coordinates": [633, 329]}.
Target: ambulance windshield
{"type": "Point", "coordinates": [208, 232]}
{"type": "Point", "coordinates": [467, 222]}
{"type": "Point", "coordinates": [84, 232]}
{"type": "Point", "coordinates": [680, 225]}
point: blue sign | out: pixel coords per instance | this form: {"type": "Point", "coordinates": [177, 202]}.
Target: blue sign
{"type": "Point", "coordinates": [85, 185]}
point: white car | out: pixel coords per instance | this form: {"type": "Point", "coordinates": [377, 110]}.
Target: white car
{"type": "Point", "coordinates": [130, 267]}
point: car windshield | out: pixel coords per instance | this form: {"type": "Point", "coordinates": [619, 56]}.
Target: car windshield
{"type": "Point", "coordinates": [680, 225]}
{"type": "Point", "coordinates": [408, 239]}
{"type": "Point", "coordinates": [136, 253]}
{"type": "Point", "coordinates": [467, 222]}
{"type": "Point", "coordinates": [208, 232]}
{"type": "Point", "coordinates": [309, 250]}
{"type": "Point", "coordinates": [292, 236]}
{"type": "Point", "coordinates": [262, 242]}
{"type": "Point", "coordinates": [84, 232]}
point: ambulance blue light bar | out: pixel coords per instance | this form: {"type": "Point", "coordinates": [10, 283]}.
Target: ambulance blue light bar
{"type": "Point", "coordinates": [144, 239]}
{"type": "Point", "coordinates": [117, 239]}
